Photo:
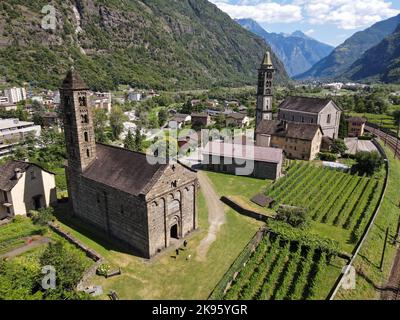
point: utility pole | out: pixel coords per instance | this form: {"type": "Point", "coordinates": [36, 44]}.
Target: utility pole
{"type": "Point", "coordinates": [384, 248]}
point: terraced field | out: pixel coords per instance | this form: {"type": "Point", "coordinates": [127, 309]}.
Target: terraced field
{"type": "Point", "coordinates": [331, 197]}
{"type": "Point", "coordinates": [280, 269]}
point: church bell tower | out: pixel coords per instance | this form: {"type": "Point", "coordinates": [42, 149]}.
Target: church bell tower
{"type": "Point", "coordinates": [264, 90]}
{"type": "Point", "coordinates": [78, 122]}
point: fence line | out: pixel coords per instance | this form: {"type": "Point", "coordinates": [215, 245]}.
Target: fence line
{"type": "Point", "coordinates": [346, 270]}
{"type": "Point", "coordinates": [222, 286]}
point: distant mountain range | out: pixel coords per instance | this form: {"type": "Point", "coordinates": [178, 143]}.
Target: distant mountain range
{"type": "Point", "coordinates": [147, 43]}
{"type": "Point", "coordinates": [380, 63]}
{"type": "Point", "coordinates": [344, 61]}
{"type": "Point", "coordinates": [297, 51]}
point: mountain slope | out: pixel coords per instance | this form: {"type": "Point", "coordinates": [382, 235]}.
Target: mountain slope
{"type": "Point", "coordinates": [149, 43]}
{"type": "Point", "coordinates": [297, 51]}
{"type": "Point", "coordinates": [380, 63]}
{"type": "Point", "coordinates": [352, 49]}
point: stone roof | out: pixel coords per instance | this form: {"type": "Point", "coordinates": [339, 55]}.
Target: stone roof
{"type": "Point", "coordinates": [7, 173]}
{"type": "Point", "coordinates": [243, 151]}
{"type": "Point", "coordinates": [74, 81]}
{"type": "Point", "coordinates": [124, 170]}
{"type": "Point", "coordinates": [357, 119]}
{"type": "Point", "coordinates": [302, 131]}
{"type": "Point", "coordinates": [305, 104]}
{"type": "Point", "coordinates": [200, 115]}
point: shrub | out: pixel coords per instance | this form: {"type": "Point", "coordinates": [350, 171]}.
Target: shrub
{"type": "Point", "coordinates": [339, 147]}
{"type": "Point", "coordinates": [296, 217]}
{"type": "Point", "coordinates": [103, 270]}
{"type": "Point", "coordinates": [368, 162]}
{"type": "Point", "coordinates": [327, 156]}
{"type": "Point", "coordinates": [43, 216]}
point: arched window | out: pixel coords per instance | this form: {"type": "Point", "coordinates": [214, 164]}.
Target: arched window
{"type": "Point", "coordinates": [88, 153]}
{"type": "Point", "coordinates": [86, 137]}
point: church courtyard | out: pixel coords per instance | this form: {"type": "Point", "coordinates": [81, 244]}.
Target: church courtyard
{"type": "Point", "coordinates": [186, 276]}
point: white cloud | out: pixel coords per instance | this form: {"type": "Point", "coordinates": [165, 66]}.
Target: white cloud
{"type": "Point", "coordinates": [309, 32]}
{"type": "Point", "coordinates": [345, 14]}
{"type": "Point", "coordinates": [266, 12]}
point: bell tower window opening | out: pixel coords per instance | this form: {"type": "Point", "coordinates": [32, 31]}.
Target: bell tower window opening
{"type": "Point", "coordinates": [88, 153]}
{"type": "Point", "coordinates": [86, 137]}
{"type": "Point", "coordinates": [84, 118]}
{"type": "Point", "coordinates": [82, 101]}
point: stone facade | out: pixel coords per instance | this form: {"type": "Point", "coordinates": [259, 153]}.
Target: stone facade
{"type": "Point", "coordinates": [298, 141]}
{"type": "Point", "coordinates": [328, 116]}
{"type": "Point", "coordinates": [119, 192]}
{"type": "Point", "coordinates": [356, 126]}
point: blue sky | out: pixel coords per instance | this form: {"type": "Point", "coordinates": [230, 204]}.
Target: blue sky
{"type": "Point", "coordinates": [329, 21]}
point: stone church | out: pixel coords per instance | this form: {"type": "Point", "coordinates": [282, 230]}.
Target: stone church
{"type": "Point", "coordinates": [118, 191]}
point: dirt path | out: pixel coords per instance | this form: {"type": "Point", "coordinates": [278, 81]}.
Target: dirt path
{"type": "Point", "coordinates": [25, 248]}
{"type": "Point", "coordinates": [216, 215]}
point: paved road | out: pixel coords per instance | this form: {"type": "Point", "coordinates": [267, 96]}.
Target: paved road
{"type": "Point", "coordinates": [25, 248]}
{"type": "Point", "coordinates": [216, 215]}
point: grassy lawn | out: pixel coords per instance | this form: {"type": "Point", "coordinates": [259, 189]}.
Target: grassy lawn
{"type": "Point", "coordinates": [14, 234]}
{"type": "Point", "coordinates": [230, 185]}
{"type": "Point", "coordinates": [367, 263]}
{"type": "Point", "coordinates": [166, 277]}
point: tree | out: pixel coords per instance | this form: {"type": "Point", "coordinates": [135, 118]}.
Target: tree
{"type": "Point", "coordinates": [368, 162]}
{"type": "Point", "coordinates": [396, 116]}
{"type": "Point", "coordinates": [100, 119]}
{"type": "Point", "coordinates": [43, 216]}
{"type": "Point", "coordinates": [117, 118]}
{"type": "Point", "coordinates": [343, 127]}
{"type": "Point", "coordinates": [38, 119]}
{"type": "Point", "coordinates": [296, 217]}
{"type": "Point", "coordinates": [339, 147]}
{"type": "Point", "coordinates": [129, 142]}
{"type": "Point", "coordinates": [162, 117]}
{"type": "Point", "coordinates": [138, 140]}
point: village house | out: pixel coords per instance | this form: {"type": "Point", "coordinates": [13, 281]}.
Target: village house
{"type": "Point", "coordinates": [134, 96]}
{"type": "Point", "coordinates": [323, 112]}
{"type": "Point", "coordinates": [243, 159]}
{"type": "Point", "coordinates": [201, 119]}
{"type": "Point", "coordinates": [236, 119]}
{"type": "Point", "coordinates": [133, 198]}
{"type": "Point", "coordinates": [356, 126]}
{"type": "Point", "coordinates": [179, 120]}
{"type": "Point", "coordinates": [51, 120]}
{"type": "Point", "coordinates": [23, 187]}
{"type": "Point", "coordinates": [297, 140]}
{"type": "Point", "coordinates": [101, 100]}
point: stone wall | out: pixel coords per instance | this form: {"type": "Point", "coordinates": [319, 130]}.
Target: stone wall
{"type": "Point", "coordinates": [141, 222]}
{"type": "Point", "coordinates": [119, 215]}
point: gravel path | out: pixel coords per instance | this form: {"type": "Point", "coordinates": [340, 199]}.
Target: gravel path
{"type": "Point", "coordinates": [18, 251]}
{"type": "Point", "coordinates": [216, 215]}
